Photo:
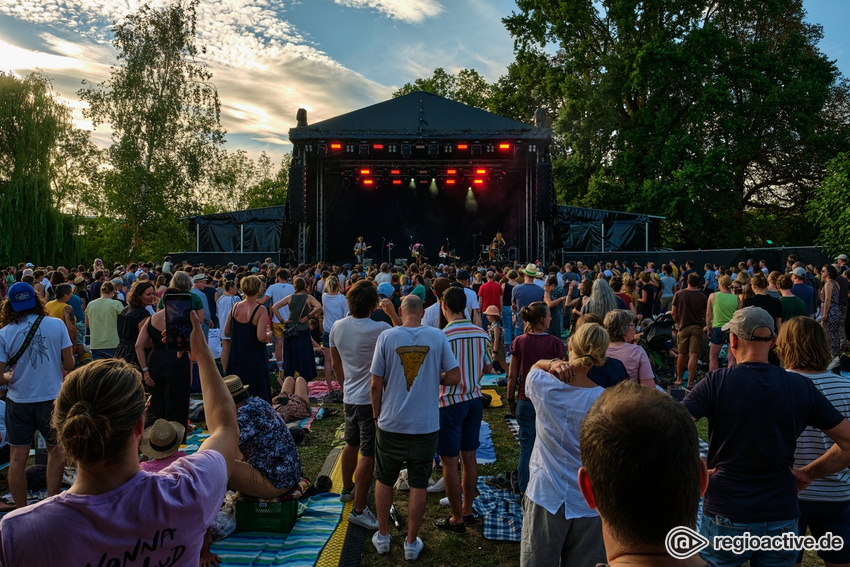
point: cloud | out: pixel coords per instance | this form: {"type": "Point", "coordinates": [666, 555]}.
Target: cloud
{"type": "Point", "coordinates": [15, 57]}
{"type": "Point", "coordinates": [410, 11]}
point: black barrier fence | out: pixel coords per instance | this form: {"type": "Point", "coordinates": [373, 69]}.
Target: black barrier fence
{"type": "Point", "coordinates": [775, 258]}
{"type": "Point", "coordinates": [210, 259]}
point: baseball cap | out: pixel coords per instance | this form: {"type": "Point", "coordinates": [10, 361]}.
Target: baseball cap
{"type": "Point", "coordinates": [386, 289]}
{"type": "Point", "coordinates": [29, 265]}
{"type": "Point", "coordinates": [799, 272]}
{"type": "Point", "coordinates": [118, 281]}
{"type": "Point", "coordinates": [463, 274]}
{"type": "Point", "coordinates": [21, 296]}
{"type": "Point", "coordinates": [747, 320]}
{"type": "Point", "coordinates": [841, 257]}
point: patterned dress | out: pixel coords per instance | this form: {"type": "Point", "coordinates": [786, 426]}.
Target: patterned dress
{"type": "Point", "coordinates": [832, 322]}
{"type": "Point", "coordinates": [267, 444]}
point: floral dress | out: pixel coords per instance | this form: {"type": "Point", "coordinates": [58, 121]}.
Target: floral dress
{"type": "Point", "coordinates": [832, 322]}
{"type": "Point", "coordinates": [267, 444]}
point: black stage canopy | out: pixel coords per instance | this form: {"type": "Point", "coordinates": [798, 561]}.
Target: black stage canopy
{"type": "Point", "coordinates": [249, 231]}
{"type": "Point", "coordinates": [419, 169]}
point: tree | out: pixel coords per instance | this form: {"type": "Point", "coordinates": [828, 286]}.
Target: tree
{"type": "Point", "coordinates": [468, 87]}
{"type": "Point", "coordinates": [717, 115]}
{"type": "Point", "coordinates": [829, 209]}
{"type": "Point", "coordinates": [32, 123]}
{"type": "Point", "coordinates": [166, 131]}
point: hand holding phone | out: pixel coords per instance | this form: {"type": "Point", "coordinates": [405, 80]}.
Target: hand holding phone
{"type": "Point", "coordinates": [178, 323]}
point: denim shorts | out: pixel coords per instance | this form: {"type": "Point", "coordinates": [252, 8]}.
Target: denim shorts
{"type": "Point", "coordinates": [719, 336]}
{"type": "Point", "coordinates": [326, 339]}
{"type": "Point", "coordinates": [460, 428]}
{"type": "Point", "coordinates": [718, 526]}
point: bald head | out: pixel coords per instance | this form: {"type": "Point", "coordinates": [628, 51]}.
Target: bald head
{"type": "Point", "coordinates": [411, 304]}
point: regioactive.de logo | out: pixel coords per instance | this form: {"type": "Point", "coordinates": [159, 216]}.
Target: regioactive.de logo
{"type": "Point", "coordinates": [683, 542]}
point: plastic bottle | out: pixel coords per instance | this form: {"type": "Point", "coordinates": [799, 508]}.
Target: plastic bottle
{"type": "Point", "coordinates": [321, 413]}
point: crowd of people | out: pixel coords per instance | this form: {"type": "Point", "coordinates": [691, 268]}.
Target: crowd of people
{"type": "Point", "coordinates": [83, 360]}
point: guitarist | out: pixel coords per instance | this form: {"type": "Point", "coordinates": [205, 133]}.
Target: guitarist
{"type": "Point", "coordinates": [360, 250]}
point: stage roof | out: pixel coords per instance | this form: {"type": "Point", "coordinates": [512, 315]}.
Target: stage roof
{"type": "Point", "coordinates": [418, 116]}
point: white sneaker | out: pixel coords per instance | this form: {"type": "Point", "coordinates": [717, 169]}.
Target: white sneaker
{"type": "Point", "coordinates": [365, 519]}
{"type": "Point", "coordinates": [444, 501]}
{"type": "Point", "coordinates": [382, 543]}
{"type": "Point", "coordinates": [438, 486]}
{"type": "Point", "coordinates": [412, 550]}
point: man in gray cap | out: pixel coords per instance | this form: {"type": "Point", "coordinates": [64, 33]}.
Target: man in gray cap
{"type": "Point", "coordinates": [755, 412]}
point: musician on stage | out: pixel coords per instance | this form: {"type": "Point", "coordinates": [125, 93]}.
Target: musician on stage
{"type": "Point", "coordinates": [418, 252]}
{"type": "Point", "coordinates": [360, 250]}
{"type": "Point", "coordinates": [496, 247]}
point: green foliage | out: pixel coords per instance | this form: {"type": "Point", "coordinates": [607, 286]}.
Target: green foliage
{"type": "Point", "coordinates": [241, 183]}
{"type": "Point", "coordinates": [32, 123]}
{"type": "Point", "coordinates": [164, 113]}
{"type": "Point", "coordinates": [467, 86]}
{"type": "Point", "coordinates": [719, 116]}
{"type": "Point", "coordinates": [830, 209]}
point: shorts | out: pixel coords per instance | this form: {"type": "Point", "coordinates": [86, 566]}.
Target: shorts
{"type": "Point", "coordinates": [81, 332]}
{"type": "Point", "coordinates": [326, 339]}
{"type": "Point", "coordinates": [392, 450]}
{"type": "Point", "coordinates": [690, 339]}
{"type": "Point", "coordinates": [822, 517]}
{"type": "Point", "coordinates": [719, 336]}
{"type": "Point", "coordinates": [360, 428]}
{"type": "Point", "coordinates": [293, 410]}
{"type": "Point", "coordinates": [460, 426]}
{"type": "Point", "coordinates": [22, 421]}
{"type": "Point", "coordinates": [277, 329]}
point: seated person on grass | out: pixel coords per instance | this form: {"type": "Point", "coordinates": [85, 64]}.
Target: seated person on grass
{"type": "Point", "coordinates": [267, 464]}
{"type": "Point", "coordinates": [160, 444]}
{"type": "Point", "coordinates": [293, 403]}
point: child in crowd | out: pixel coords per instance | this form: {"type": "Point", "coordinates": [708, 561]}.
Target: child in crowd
{"type": "Point", "coordinates": [160, 444]}
{"type": "Point", "coordinates": [497, 338]}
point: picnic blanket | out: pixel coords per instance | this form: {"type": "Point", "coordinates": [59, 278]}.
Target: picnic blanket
{"type": "Point", "coordinates": [307, 422]}
{"type": "Point", "coordinates": [317, 521]}
{"type": "Point", "coordinates": [513, 426]}
{"type": "Point", "coordinates": [486, 452]}
{"type": "Point", "coordinates": [492, 379]}
{"type": "Point", "coordinates": [499, 511]}
{"type": "Point", "coordinates": [496, 399]}
{"type": "Point", "coordinates": [319, 389]}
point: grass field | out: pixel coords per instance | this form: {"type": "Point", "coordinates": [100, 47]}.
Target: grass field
{"type": "Point", "coordinates": [445, 549]}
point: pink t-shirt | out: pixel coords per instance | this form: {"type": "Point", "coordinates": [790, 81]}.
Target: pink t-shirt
{"type": "Point", "coordinates": [153, 519]}
{"type": "Point", "coordinates": [156, 465]}
{"type": "Point", "coordinates": [634, 359]}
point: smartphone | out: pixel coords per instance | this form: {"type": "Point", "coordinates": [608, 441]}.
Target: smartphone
{"type": "Point", "coordinates": [178, 324]}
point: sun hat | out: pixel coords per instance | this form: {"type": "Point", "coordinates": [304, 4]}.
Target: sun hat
{"type": "Point", "coordinates": [531, 270]}
{"type": "Point", "coordinates": [21, 296]}
{"type": "Point", "coordinates": [79, 279]}
{"type": "Point", "coordinates": [386, 290]}
{"type": "Point", "coordinates": [747, 320]}
{"type": "Point", "coordinates": [199, 277]}
{"type": "Point", "coordinates": [234, 384]}
{"type": "Point", "coordinates": [492, 310]}
{"type": "Point", "coordinates": [162, 439]}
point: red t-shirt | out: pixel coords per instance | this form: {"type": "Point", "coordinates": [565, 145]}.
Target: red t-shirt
{"type": "Point", "coordinates": [528, 348]}
{"type": "Point", "coordinates": [489, 294]}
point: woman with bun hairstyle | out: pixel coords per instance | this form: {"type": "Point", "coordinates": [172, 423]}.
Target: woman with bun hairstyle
{"type": "Point", "coordinates": [557, 527]}
{"type": "Point", "coordinates": [535, 344]}
{"type": "Point", "coordinates": [114, 509]}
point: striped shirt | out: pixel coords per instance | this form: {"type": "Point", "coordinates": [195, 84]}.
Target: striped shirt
{"type": "Point", "coordinates": [470, 346]}
{"type": "Point", "coordinates": [813, 443]}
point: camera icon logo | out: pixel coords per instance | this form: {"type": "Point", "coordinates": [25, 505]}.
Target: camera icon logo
{"type": "Point", "coordinates": [683, 542]}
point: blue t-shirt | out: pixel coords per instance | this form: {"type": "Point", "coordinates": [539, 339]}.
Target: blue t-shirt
{"type": "Point", "coordinates": [609, 374]}
{"type": "Point", "coordinates": [806, 293]}
{"type": "Point", "coordinates": [756, 412]}
{"type": "Point", "coordinates": [77, 304]}
{"type": "Point", "coordinates": [710, 280]}
{"type": "Point", "coordinates": [524, 295]}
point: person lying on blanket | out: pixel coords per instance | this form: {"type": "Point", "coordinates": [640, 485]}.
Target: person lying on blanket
{"type": "Point", "coordinates": [293, 403]}
{"type": "Point", "coordinates": [114, 509]}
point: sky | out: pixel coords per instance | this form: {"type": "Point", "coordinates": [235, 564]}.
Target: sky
{"type": "Point", "coordinates": [271, 57]}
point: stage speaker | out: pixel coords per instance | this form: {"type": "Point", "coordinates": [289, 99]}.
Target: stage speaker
{"type": "Point", "coordinates": [297, 193]}
{"type": "Point", "coordinates": [544, 194]}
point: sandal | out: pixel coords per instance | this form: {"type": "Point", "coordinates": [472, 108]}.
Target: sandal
{"type": "Point", "coordinates": [446, 524]}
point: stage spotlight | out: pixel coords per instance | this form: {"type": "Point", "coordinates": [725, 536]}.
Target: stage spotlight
{"type": "Point", "coordinates": [471, 204]}
{"type": "Point", "coordinates": [433, 150]}
{"type": "Point", "coordinates": [412, 183]}
{"type": "Point", "coordinates": [364, 150]}
{"type": "Point", "coordinates": [478, 182]}
{"type": "Point", "coordinates": [396, 181]}
{"type": "Point", "coordinates": [322, 151]}
{"type": "Point", "coordinates": [480, 171]}
{"type": "Point", "coordinates": [336, 146]}
{"type": "Point", "coordinates": [405, 151]}
{"type": "Point", "coordinates": [365, 172]}
{"type": "Point", "coordinates": [451, 172]}
{"type": "Point", "coordinates": [368, 182]}
{"type": "Point", "coordinates": [476, 150]}
{"type": "Point", "coordinates": [504, 146]}
{"type": "Point", "coordinates": [463, 146]}
{"type": "Point", "coordinates": [433, 187]}
{"type": "Point", "coordinates": [377, 147]}
{"type": "Point", "coordinates": [451, 181]}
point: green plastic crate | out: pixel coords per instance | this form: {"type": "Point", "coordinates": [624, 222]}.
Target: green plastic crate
{"type": "Point", "coordinates": [270, 516]}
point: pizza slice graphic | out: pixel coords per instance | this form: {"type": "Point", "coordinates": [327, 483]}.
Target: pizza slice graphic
{"type": "Point", "coordinates": [412, 358]}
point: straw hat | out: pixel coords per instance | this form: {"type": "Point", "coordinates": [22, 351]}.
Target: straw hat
{"type": "Point", "coordinates": [531, 270]}
{"type": "Point", "coordinates": [234, 385]}
{"type": "Point", "coordinates": [492, 310]}
{"type": "Point", "coordinates": [162, 439]}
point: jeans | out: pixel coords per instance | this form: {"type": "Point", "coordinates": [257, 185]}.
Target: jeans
{"type": "Point", "coordinates": [525, 418]}
{"type": "Point", "coordinates": [100, 353]}
{"type": "Point", "coordinates": [508, 326]}
{"type": "Point", "coordinates": [710, 527]}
